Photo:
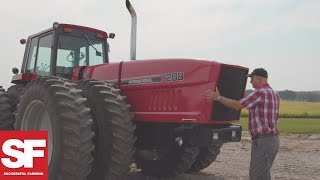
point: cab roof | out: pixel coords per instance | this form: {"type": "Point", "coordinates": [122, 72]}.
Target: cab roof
{"type": "Point", "coordinates": [72, 26]}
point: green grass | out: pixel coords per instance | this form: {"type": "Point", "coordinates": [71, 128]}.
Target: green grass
{"type": "Point", "coordinates": [292, 125]}
{"type": "Point", "coordinates": [294, 109]}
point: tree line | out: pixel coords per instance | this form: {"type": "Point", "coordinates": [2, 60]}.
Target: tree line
{"type": "Point", "coordinates": [306, 96]}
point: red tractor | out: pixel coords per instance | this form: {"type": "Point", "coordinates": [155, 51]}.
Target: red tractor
{"type": "Point", "coordinates": [103, 116]}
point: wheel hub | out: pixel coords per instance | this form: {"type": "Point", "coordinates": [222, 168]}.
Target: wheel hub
{"type": "Point", "coordinates": [36, 117]}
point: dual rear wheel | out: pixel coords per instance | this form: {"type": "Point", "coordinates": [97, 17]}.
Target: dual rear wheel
{"type": "Point", "coordinates": [8, 106]}
{"type": "Point", "coordinates": [53, 104]}
{"type": "Point", "coordinates": [84, 143]}
{"type": "Point", "coordinates": [113, 124]}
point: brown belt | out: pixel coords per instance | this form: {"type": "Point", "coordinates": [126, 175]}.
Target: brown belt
{"type": "Point", "coordinates": [264, 135]}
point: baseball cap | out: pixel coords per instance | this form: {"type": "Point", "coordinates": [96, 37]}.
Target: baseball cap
{"type": "Point", "coordinates": [259, 72]}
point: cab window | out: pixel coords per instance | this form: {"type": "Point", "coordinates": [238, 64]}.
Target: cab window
{"type": "Point", "coordinates": [32, 54]}
{"type": "Point", "coordinates": [39, 59]}
{"type": "Point", "coordinates": [76, 51]}
{"type": "Point", "coordinates": [44, 56]}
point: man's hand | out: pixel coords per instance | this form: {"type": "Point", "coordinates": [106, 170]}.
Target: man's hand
{"type": "Point", "coordinates": [212, 96]}
{"type": "Point", "coordinates": [215, 96]}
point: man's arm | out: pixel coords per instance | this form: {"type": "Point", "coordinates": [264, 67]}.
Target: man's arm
{"type": "Point", "coordinates": [215, 96]}
{"type": "Point", "coordinates": [231, 103]}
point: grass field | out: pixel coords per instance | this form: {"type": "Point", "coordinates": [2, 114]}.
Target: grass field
{"type": "Point", "coordinates": [292, 125]}
{"type": "Point", "coordinates": [294, 109]}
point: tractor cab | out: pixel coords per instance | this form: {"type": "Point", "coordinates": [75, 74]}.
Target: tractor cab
{"type": "Point", "coordinates": [56, 51]}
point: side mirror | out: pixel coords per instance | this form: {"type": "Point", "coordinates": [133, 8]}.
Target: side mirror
{"type": "Point", "coordinates": [23, 41]}
{"type": "Point", "coordinates": [15, 70]}
{"type": "Point", "coordinates": [112, 35]}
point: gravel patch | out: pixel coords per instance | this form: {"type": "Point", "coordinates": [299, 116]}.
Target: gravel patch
{"type": "Point", "coordinates": [298, 158]}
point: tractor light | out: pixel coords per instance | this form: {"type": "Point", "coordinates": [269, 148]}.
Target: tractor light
{"type": "Point", "coordinates": [23, 41]}
{"type": "Point", "coordinates": [215, 136]}
{"type": "Point", "coordinates": [234, 133]}
{"type": "Point", "coordinates": [101, 36]}
{"type": "Point", "coordinates": [179, 141]}
{"type": "Point", "coordinates": [112, 35]}
{"type": "Point", "coordinates": [56, 25]}
{"type": "Point", "coordinates": [67, 30]}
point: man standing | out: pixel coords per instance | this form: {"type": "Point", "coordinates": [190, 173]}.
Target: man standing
{"type": "Point", "coordinates": [263, 106]}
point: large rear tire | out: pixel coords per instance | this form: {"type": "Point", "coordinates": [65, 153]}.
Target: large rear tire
{"type": "Point", "coordinates": [7, 109]}
{"type": "Point", "coordinates": [207, 155]}
{"type": "Point", "coordinates": [10, 103]}
{"type": "Point", "coordinates": [114, 129]}
{"type": "Point", "coordinates": [15, 92]}
{"type": "Point", "coordinates": [171, 161]}
{"type": "Point", "coordinates": [55, 105]}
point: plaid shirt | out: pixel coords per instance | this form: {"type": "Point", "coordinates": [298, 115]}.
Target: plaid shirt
{"type": "Point", "coordinates": [263, 105]}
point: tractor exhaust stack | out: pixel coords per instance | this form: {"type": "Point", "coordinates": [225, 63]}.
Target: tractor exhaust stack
{"type": "Point", "coordinates": [133, 48]}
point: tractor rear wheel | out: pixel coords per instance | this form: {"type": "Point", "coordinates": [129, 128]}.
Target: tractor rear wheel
{"type": "Point", "coordinates": [13, 95]}
{"type": "Point", "coordinates": [205, 158]}
{"type": "Point", "coordinates": [171, 161]}
{"type": "Point", "coordinates": [114, 129]}
{"type": "Point", "coordinates": [7, 109]}
{"type": "Point", "coordinates": [55, 105]}
{"type": "Point", "coordinates": [15, 92]}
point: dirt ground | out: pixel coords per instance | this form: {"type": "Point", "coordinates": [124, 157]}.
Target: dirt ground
{"type": "Point", "coordinates": [298, 158]}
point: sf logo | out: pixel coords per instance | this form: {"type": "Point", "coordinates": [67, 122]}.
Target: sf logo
{"type": "Point", "coordinates": [22, 159]}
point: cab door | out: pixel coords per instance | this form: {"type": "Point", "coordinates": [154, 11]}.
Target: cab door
{"type": "Point", "coordinates": [39, 58]}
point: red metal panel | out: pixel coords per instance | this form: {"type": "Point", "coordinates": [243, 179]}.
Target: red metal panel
{"type": "Point", "coordinates": [176, 102]}
{"type": "Point", "coordinates": [24, 77]}
{"type": "Point", "coordinates": [102, 72]}
{"type": "Point", "coordinates": [75, 73]}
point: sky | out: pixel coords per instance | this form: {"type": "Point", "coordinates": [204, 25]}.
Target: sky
{"type": "Point", "coordinates": [282, 36]}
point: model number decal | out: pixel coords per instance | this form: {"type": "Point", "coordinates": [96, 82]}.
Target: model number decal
{"type": "Point", "coordinates": [176, 76]}
{"type": "Point", "coordinates": [168, 77]}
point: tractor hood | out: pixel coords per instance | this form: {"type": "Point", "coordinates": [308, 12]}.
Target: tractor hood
{"type": "Point", "coordinates": [173, 90]}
